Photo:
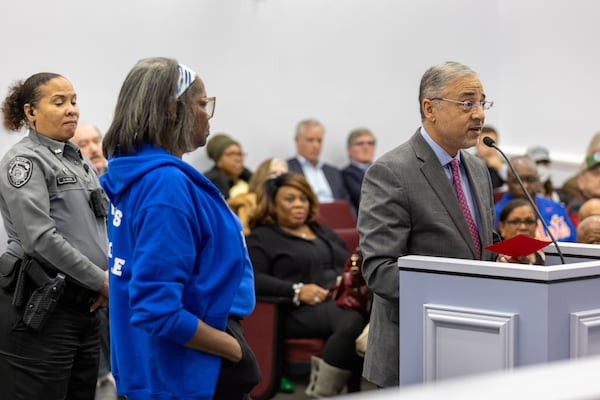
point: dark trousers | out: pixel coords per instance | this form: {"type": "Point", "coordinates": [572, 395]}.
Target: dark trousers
{"type": "Point", "coordinates": [338, 327]}
{"type": "Point", "coordinates": [58, 362]}
{"type": "Point", "coordinates": [104, 367]}
{"type": "Point", "coordinates": [236, 380]}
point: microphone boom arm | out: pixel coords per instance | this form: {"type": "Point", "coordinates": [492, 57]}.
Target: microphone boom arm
{"type": "Point", "coordinates": [488, 141]}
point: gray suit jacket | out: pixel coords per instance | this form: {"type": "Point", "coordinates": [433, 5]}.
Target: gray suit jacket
{"type": "Point", "coordinates": [408, 206]}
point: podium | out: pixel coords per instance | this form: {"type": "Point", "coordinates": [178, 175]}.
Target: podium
{"type": "Point", "coordinates": [461, 317]}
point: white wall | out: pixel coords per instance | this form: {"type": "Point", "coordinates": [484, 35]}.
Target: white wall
{"type": "Point", "coordinates": [348, 63]}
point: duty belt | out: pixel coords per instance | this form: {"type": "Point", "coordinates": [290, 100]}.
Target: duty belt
{"type": "Point", "coordinates": [74, 295]}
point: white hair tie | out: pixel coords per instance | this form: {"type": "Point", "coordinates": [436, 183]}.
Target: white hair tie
{"type": "Point", "coordinates": [186, 77]}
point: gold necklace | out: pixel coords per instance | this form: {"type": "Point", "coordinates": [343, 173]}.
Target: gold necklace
{"type": "Point", "coordinates": [300, 233]}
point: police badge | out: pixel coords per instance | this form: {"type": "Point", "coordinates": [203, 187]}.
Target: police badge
{"type": "Point", "coordinates": [19, 171]}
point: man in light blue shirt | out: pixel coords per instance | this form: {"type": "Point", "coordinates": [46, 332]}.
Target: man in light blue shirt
{"type": "Point", "coordinates": [326, 180]}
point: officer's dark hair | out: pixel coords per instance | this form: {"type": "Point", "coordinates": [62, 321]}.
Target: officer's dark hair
{"type": "Point", "coordinates": [148, 111]}
{"type": "Point", "coordinates": [21, 93]}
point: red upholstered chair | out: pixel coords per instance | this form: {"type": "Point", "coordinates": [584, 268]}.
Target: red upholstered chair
{"type": "Point", "coordinates": [337, 215]}
{"type": "Point", "coordinates": [340, 217]}
{"type": "Point", "coordinates": [297, 352]}
{"type": "Point", "coordinates": [350, 236]}
{"type": "Point", "coordinates": [262, 330]}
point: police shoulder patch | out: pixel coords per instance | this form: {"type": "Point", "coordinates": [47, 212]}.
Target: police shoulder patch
{"type": "Point", "coordinates": [19, 171]}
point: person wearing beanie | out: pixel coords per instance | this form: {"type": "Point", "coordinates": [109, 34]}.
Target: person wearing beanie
{"type": "Point", "coordinates": [228, 174]}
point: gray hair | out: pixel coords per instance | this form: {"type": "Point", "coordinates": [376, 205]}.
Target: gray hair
{"type": "Point", "coordinates": [436, 78]}
{"type": "Point", "coordinates": [148, 111]}
{"type": "Point", "coordinates": [306, 123]}
{"type": "Point", "coordinates": [356, 133]}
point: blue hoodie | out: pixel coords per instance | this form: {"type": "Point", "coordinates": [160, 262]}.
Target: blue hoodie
{"type": "Point", "coordinates": [176, 254]}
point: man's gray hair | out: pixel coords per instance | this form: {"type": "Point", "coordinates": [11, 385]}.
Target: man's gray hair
{"type": "Point", "coordinates": [307, 123]}
{"type": "Point", "coordinates": [436, 78]}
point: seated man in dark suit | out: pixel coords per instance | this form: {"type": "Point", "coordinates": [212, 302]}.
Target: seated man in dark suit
{"type": "Point", "coordinates": [325, 180]}
{"type": "Point", "coordinates": [361, 149]}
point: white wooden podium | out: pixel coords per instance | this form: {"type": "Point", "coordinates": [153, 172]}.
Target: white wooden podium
{"type": "Point", "coordinates": [460, 317]}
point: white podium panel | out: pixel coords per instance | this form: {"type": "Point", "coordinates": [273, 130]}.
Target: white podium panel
{"type": "Point", "coordinates": [585, 333]}
{"type": "Point", "coordinates": [482, 340]}
{"type": "Point", "coordinates": [459, 317]}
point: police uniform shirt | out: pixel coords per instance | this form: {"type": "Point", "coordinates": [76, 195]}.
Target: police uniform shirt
{"type": "Point", "coordinates": [45, 188]}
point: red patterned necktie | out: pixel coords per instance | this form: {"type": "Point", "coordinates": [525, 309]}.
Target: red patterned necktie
{"type": "Point", "coordinates": [462, 200]}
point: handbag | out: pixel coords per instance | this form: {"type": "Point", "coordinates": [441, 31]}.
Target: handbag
{"type": "Point", "coordinates": [350, 290]}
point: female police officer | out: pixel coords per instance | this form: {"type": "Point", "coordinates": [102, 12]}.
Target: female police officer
{"type": "Point", "coordinates": [53, 211]}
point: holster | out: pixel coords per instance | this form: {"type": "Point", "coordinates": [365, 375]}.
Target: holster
{"type": "Point", "coordinates": [31, 274]}
{"type": "Point", "coordinates": [43, 301]}
{"type": "Point", "coordinates": [45, 296]}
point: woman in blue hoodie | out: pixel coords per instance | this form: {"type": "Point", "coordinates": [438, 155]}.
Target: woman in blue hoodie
{"type": "Point", "coordinates": [180, 275]}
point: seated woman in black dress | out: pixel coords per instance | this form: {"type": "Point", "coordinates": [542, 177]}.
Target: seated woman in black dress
{"type": "Point", "coordinates": [296, 257]}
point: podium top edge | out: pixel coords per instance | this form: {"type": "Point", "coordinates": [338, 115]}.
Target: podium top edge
{"type": "Point", "coordinates": [586, 269]}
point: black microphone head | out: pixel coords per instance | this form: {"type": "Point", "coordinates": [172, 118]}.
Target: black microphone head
{"type": "Point", "coordinates": [488, 141]}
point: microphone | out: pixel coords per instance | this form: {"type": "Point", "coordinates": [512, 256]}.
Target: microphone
{"type": "Point", "coordinates": [489, 142]}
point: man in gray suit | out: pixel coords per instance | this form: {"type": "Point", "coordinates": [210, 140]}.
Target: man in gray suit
{"type": "Point", "coordinates": [409, 204]}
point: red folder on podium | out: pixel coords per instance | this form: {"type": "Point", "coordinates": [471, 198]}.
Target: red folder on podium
{"type": "Point", "coordinates": [518, 246]}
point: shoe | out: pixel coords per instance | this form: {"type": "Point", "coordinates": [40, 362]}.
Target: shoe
{"type": "Point", "coordinates": [108, 378]}
{"type": "Point", "coordinates": [326, 380]}
{"type": "Point", "coordinates": [286, 386]}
